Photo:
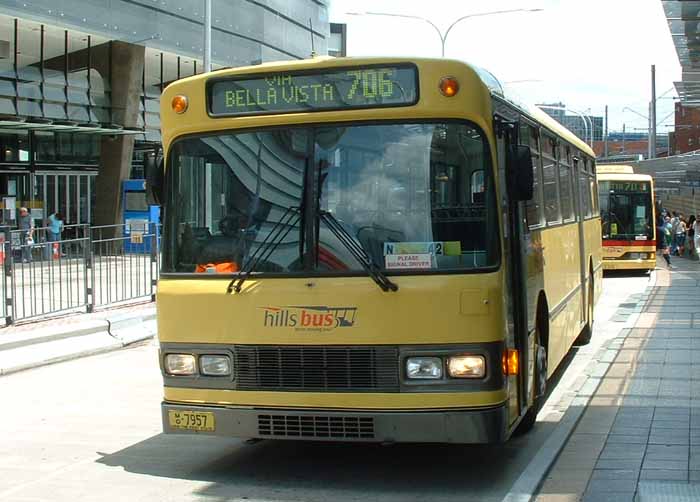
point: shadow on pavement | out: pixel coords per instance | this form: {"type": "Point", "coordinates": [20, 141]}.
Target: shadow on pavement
{"type": "Point", "coordinates": [289, 470]}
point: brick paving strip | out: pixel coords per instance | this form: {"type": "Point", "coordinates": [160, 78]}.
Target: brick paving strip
{"type": "Point", "coordinates": [639, 437]}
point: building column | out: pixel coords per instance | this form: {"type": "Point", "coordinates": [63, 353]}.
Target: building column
{"type": "Point", "coordinates": [127, 63]}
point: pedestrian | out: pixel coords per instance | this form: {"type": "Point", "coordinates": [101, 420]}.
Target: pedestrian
{"type": "Point", "coordinates": [696, 237]}
{"type": "Point", "coordinates": [691, 236]}
{"type": "Point", "coordinates": [681, 230]}
{"type": "Point", "coordinates": [674, 226]}
{"type": "Point", "coordinates": [25, 223]}
{"type": "Point", "coordinates": [53, 233]}
{"type": "Point", "coordinates": [664, 236]}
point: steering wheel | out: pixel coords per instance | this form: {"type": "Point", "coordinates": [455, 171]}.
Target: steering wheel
{"type": "Point", "coordinates": [230, 226]}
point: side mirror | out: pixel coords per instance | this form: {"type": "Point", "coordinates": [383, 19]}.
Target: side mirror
{"type": "Point", "coordinates": [154, 180]}
{"type": "Point", "coordinates": [521, 179]}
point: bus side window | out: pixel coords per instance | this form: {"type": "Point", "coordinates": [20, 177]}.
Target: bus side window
{"type": "Point", "coordinates": [595, 208]}
{"type": "Point", "coordinates": [567, 206]}
{"type": "Point", "coordinates": [584, 188]}
{"type": "Point", "coordinates": [530, 136]}
{"type": "Point", "coordinates": [550, 182]}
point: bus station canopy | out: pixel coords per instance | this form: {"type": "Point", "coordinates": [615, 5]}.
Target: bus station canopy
{"type": "Point", "coordinates": [684, 22]}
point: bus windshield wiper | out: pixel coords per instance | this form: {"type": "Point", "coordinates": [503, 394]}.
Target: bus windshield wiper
{"type": "Point", "coordinates": [284, 225]}
{"type": "Point", "coordinates": [357, 251]}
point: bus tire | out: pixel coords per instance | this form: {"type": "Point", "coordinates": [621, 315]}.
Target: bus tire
{"type": "Point", "coordinates": [584, 338]}
{"type": "Point", "coordinates": [540, 383]}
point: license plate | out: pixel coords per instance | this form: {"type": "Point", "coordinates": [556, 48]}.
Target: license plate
{"type": "Point", "coordinates": [191, 420]}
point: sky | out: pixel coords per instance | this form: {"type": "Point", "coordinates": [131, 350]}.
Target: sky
{"type": "Point", "coordinates": [584, 53]}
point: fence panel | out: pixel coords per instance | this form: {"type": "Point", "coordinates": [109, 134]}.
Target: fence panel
{"type": "Point", "coordinates": [124, 263]}
{"type": "Point", "coordinates": [44, 276]}
{"type": "Point", "coordinates": [89, 267]}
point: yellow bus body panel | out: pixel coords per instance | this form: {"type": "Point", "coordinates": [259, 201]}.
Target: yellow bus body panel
{"type": "Point", "coordinates": [431, 309]}
{"type": "Point", "coordinates": [337, 400]}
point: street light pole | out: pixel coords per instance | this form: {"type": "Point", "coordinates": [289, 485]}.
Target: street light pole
{"type": "Point", "coordinates": [605, 147]}
{"type": "Point", "coordinates": [652, 115]}
{"type": "Point", "coordinates": [207, 36]}
{"type": "Point", "coordinates": [443, 37]}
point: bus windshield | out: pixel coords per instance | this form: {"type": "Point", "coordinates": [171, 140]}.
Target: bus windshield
{"type": "Point", "coordinates": [413, 197]}
{"type": "Point", "coordinates": [626, 210]}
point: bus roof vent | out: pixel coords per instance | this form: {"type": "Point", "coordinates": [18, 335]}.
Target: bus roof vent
{"type": "Point", "coordinates": [614, 169]}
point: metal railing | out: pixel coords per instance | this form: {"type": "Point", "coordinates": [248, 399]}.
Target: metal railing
{"type": "Point", "coordinates": [84, 268]}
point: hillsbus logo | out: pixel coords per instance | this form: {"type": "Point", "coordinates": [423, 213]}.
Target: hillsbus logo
{"type": "Point", "coordinates": [309, 317]}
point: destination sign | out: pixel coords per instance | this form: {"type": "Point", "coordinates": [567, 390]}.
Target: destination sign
{"type": "Point", "coordinates": [628, 186]}
{"type": "Point", "coordinates": [365, 87]}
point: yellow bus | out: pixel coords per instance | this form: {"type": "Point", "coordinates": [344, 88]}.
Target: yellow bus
{"type": "Point", "coordinates": [381, 249]}
{"type": "Point", "coordinates": [627, 218]}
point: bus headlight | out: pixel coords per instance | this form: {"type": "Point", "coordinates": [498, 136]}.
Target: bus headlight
{"type": "Point", "coordinates": [180, 364]}
{"type": "Point", "coordinates": [466, 366]}
{"type": "Point", "coordinates": [215, 365]}
{"type": "Point", "coordinates": [424, 368]}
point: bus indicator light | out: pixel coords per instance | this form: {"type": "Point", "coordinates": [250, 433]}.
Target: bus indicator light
{"type": "Point", "coordinates": [449, 86]}
{"type": "Point", "coordinates": [511, 362]}
{"type": "Point", "coordinates": [179, 104]}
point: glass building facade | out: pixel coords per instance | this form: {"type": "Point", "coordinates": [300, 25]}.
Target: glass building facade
{"type": "Point", "coordinates": [80, 85]}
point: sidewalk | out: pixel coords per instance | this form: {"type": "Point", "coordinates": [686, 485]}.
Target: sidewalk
{"type": "Point", "coordinates": [639, 436]}
{"type": "Point", "coordinates": [33, 344]}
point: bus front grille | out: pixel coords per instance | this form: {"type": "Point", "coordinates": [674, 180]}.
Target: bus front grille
{"type": "Point", "coordinates": [313, 426]}
{"type": "Point", "coordinates": [317, 369]}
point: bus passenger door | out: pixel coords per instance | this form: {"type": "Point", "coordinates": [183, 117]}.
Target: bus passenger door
{"type": "Point", "coordinates": [580, 217]}
{"type": "Point", "coordinates": [514, 229]}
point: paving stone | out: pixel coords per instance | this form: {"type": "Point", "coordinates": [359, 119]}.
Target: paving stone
{"type": "Point", "coordinates": [673, 402]}
{"type": "Point", "coordinates": [625, 464]}
{"type": "Point", "coordinates": [665, 464]}
{"type": "Point", "coordinates": [628, 439]}
{"type": "Point", "coordinates": [664, 474]}
{"type": "Point", "coordinates": [667, 452]}
{"type": "Point", "coordinates": [694, 462]}
{"type": "Point", "coordinates": [612, 485]}
{"type": "Point", "coordinates": [608, 497]}
{"type": "Point", "coordinates": [615, 474]}
{"type": "Point", "coordinates": [669, 437]}
{"type": "Point", "coordinates": [671, 413]}
{"type": "Point", "coordinates": [623, 451]}
{"type": "Point", "coordinates": [558, 497]}
{"type": "Point", "coordinates": [632, 431]}
{"type": "Point", "coordinates": [564, 486]}
{"type": "Point", "coordinates": [633, 411]}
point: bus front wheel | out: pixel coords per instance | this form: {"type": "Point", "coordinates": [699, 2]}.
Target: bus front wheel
{"type": "Point", "coordinates": [540, 382]}
{"type": "Point", "coordinates": [584, 338]}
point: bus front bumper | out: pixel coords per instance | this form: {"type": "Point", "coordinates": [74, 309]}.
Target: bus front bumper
{"type": "Point", "coordinates": [629, 264]}
{"type": "Point", "coordinates": [488, 425]}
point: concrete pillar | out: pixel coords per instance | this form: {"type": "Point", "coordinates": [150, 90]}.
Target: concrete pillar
{"type": "Point", "coordinates": [126, 72]}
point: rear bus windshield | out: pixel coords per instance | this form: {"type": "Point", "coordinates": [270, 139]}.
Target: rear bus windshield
{"type": "Point", "coordinates": [416, 197]}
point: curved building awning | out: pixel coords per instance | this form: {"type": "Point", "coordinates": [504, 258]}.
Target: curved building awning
{"type": "Point", "coordinates": [56, 126]}
{"type": "Point", "coordinates": [684, 22]}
